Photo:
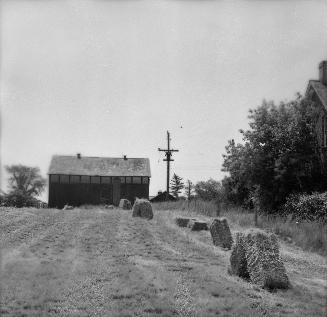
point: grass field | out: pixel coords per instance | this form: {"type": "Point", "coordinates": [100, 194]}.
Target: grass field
{"type": "Point", "coordinates": [99, 262]}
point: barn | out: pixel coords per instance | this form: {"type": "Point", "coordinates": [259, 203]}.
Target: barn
{"type": "Point", "coordinates": [317, 92]}
{"type": "Point", "coordinates": [162, 196]}
{"type": "Point", "coordinates": [78, 180]}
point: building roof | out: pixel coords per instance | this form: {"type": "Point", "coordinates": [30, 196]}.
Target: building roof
{"type": "Point", "coordinates": [320, 90]}
{"type": "Point", "coordinates": [162, 197]}
{"type": "Point", "coordinates": [99, 166]}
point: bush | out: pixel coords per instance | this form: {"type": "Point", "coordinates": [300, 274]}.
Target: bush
{"type": "Point", "coordinates": [311, 207]}
{"type": "Point", "coordinates": [2, 200]}
{"type": "Point", "coordinates": [18, 199]}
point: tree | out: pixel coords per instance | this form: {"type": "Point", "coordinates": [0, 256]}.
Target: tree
{"type": "Point", "coordinates": [177, 185]}
{"type": "Point", "coordinates": [208, 190]}
{"type": "Point", "coordinates": [189, 189]}
{"type": "Point", "coordinates": [237, 161]}
{"type": "Point", "coordinates": [24, 184]}
{"type": "Point", "coordinates": [279, 155]}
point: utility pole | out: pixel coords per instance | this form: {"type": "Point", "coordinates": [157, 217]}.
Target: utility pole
{"type": "Point", "coordinates": [168, 159]}
{"type": "Point", "coordinates": [189, 188]}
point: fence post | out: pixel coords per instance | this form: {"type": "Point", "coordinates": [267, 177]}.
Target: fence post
{"type": "Point", "coordinates": [217, 209]}
{"type": "Point", "coordinates": [256, 217]}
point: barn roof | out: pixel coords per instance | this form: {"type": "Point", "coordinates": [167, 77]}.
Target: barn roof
{"type": "Point", "coordinates": [320, 90]}
{"type": "Point", "coordinates": [99, 166]}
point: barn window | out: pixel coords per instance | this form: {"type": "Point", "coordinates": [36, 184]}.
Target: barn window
{"type": "Point", "coordinates": [145, 180]}
{"type": "Point", "coordinates": [95, 179]}
{"type": "Point", "coordinates": [74, 179]}
{"type": "Point", "coordinates": [64, 179]}
{"type": "Point", "coordinates": [54, 178]}
{"type": "Point", "coordinates": [122, 180]}
{"type": "Point", "coordinates": [85, 179]}
{"type": "Point", "coordinates": [136, 180]}
{"type": "Point", "coordinates": [106, 180]}
{"type": "Point", "coordinates": [128, 180]}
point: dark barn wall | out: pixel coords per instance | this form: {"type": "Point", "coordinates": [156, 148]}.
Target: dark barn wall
{"type": "Point", "coordinates": [79, 194]}
{"type": "Point", "coordinates": [93, 194]}
{"type": "Point", "coordinates": [131, 191]}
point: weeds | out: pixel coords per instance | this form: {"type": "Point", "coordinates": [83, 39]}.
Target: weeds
{"type": "Point", "coordinates": [309, 235]}
{"type": "Point", "coordinates": [206, 208]}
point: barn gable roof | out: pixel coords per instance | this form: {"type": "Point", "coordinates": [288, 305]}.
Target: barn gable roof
{"type": "Point", "coordinates": [99, 166]}
{"type": "Point", "coordinates": [320, 90]}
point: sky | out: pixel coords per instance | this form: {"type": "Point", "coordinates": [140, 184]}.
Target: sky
{"type": "Point", "coordinates": [109, 78]}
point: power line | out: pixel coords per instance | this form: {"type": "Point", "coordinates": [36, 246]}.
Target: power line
{"type": "Point", "coordinates": [168, 159]}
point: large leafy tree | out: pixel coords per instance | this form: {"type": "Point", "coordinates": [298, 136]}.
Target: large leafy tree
{"type": "Point", "coordinates": [208, 190]}
{"type": "Point", "coordinates": [24, 184]}
{"type": "Point", "coordinates": [176, 185]}
{"type": "Point", "coordinates": [279, 154]}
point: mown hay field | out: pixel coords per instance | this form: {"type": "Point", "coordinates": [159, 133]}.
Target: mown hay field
{"type": "Point", "coordinates": [102, 262]}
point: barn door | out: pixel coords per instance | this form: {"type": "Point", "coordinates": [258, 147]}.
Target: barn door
{"type": "Point", "coordinates": [116, 191]}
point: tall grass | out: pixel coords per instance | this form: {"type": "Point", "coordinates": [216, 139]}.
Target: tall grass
{"type": "Point", "coordinates": [206, 208]}
{"type": "Point", "coordinates": [311, 236]}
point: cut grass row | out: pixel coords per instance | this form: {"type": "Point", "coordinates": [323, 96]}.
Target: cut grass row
{"type": "Point", "coordinates": [310, 236]}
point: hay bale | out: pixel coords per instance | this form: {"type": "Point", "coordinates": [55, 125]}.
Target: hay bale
{"type": "Point", "coordinates": [197, 225]}
{"type": "Point", "coordinates": [142, 208]}
{"type": "Point", "coordinates": [256, 255]}
{"type": "Point", "coordinates": [125, 204]}
{"type": "Point", "coordinates": [68, 207]}
{"type": "Point", "coordinates": [182, 222]}
{"type": "Point", "coordinates": [220, 233]}
{"type": "Point", "coordinates": [263, 260]}
{"type": "Point", "coordinates": [238, 258]}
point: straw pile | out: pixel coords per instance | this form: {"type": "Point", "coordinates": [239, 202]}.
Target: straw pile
{"type": "Point", "coordinates": [196, 225]}
{"type": "Point", "coordinates": [125, 204]}
{"type": "Point", "coordinates": [257, 253]}
{"type": "Point", "coordinates": [142, 208]}
{"type": "Point", "coordinates": [220, 233]}
{"type": "Point", "coordinates": [264, 264]}
{"type": "Point", "coordinates": [182, 222]}
{"type": "Point", "coordinates": [238, 258]}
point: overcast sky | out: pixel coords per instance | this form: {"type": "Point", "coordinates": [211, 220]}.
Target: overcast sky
{"type": "Point", "coordinates": [107, 78]}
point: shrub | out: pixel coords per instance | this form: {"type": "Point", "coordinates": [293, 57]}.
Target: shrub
{"type": "Point", "coordinates": [2, 200]}
{"type": "Point", "coordinates": [311, 207]}
{"type": "Point", "coordinates": [18, 199]}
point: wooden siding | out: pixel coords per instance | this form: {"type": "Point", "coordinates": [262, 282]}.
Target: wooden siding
{"type": "Point", "coordinates": [319, 129]}
{"type": "Point", "coordinates": [76, 194]}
